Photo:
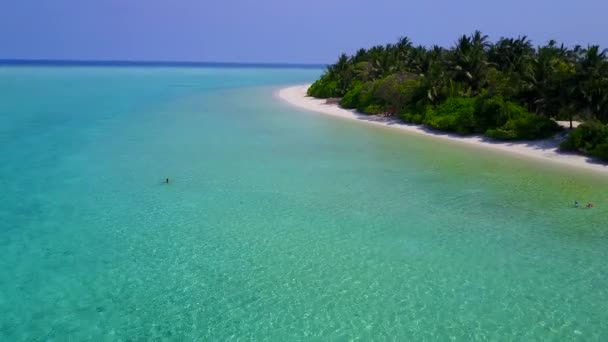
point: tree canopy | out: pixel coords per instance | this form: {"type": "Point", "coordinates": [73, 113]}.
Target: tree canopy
{"type": "Point", "coordinates": [508, 89]}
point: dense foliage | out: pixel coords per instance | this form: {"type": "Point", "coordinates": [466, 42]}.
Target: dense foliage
{"type": "Point", "coordinates": [506, 90]}
{"type": "Point", "coordinates": [590, 138]}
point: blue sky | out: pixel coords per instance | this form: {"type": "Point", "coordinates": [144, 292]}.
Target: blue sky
{"type": "Point", "coordinates": [303, 31]}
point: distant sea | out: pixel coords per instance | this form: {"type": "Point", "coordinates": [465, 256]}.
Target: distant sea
{"type": "Point", "coordinates": [277, 224]}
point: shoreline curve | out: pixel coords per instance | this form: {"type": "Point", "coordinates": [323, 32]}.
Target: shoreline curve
{"type": "Point", "coordinates": [543, 150]}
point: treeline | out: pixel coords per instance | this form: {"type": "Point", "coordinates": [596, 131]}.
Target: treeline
{"type": "Point", "coordinates": [508, 90]}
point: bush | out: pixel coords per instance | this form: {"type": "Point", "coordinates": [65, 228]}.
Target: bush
{"type": "Point", "coordinates": [501, 134]}
{"type": "Point", "coordinates": [414, 118]}
{"type": "Point", "coordinates": [492, 116]}
{"type": "Point", "coordinates": [601, 151]}
{"type": "Point", "coordinates": [395, 93]}
{"type": "Point", "coordinates": [324, 88]}
{"type": "Point", "coordinates": [493, 112]}
{"type": "Point", "coordinates": [525, 126]}
{"type": "Point", "coordinates": [351, 98]}
{"type": "Point", "coordinates": [373, 109]}
{"type": "Point", "coordinates": [366, 96]}
{"type": "Point", "coordinates": [590, 138]}
{"type": "Point", "coordinates": [506, 120]}
{"type": "Point", "coordinates": [398, 91]}
{"type": "Point", "coordinates": [454, 115]}
{"type": "Point", "coordinates": [536, 127]}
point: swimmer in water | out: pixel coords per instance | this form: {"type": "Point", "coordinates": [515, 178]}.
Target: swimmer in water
{"type": "Point", "coordinates": [589, 205]}
{"type": "Point", "coordinates": [576, 204]}
{"type": "Point", "coordinates": [167, 180]}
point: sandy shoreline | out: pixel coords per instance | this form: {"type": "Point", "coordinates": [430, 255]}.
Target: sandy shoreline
{"type": "Point", "coordinates": [541, 150]}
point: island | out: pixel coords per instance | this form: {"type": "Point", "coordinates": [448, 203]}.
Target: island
{"type": "Point", "coordinates": [508, 91]}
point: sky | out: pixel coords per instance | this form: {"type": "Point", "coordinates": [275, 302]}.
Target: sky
{"type": "Point", "coordinates": [274, 31]}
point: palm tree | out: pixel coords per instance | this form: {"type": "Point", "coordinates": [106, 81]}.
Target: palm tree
{"type": "Point", "coordinates": [563, 88]}
{"type": "Point", "coordinates": [404, 53]}
{"type": "Point", "coordinates": [341, 72]}
{"type": "Point", "coordinates": [420, 60]}
{"type": "Point", "coordinates": [512, 55]}
{"type": "Point", "coordinates": [360, 56]}
{"type": "Point", "coordinates": [592, 81]}
{"type": "Point", "coordinates": [381, 61]}
{"type": "Point", "coordinates": [540, 82]}
{"type": "Point", "coordinates": [469, 61]}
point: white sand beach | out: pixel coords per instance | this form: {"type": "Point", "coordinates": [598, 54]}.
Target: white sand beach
{"type": "Point", "coordinates": [542, 150]}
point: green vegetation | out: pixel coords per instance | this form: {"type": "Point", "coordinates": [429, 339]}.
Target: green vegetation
{"type": "Point", "coordinates": [507, 90]}
{"type": "Point", "coordinates": [590, 138]}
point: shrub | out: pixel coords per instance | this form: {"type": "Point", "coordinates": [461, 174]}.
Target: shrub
{"type": "Point", "coordinates": [601, 150]}
{"type": "Point", "coordinates": [501, 134]}
{"type": "Point", "coordinates": [539, 127]}
{"type": "Point", "coordinates": [397, 91]}
{"type": "Point", "coordinates": [585, 137]}
{"type": "Point", "coordinates": [351, 98]}
{"type": "Point", "coordinates": [414, 118]}
{"type": "Point", "coordinates": [525, 126]}
{"type": "Point", "coordinates": [590, 138]}
{"type": "Point", "coordinates": [492, 112]}
{"type": "Point", "coordinates": [366, 96]}
{"type": "Point", "coordinates": [373, 109]}
{"type": "Point", "coordinates": [324, 88]}
{"type": "Point", "coordinates": [506, 120]}
{"type": "Point", "coordinates": [455, 115]}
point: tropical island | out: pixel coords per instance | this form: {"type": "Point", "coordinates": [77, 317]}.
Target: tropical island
{"type": "Point", "coordinates": [506, 91]}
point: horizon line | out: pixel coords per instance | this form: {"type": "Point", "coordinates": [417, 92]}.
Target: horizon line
{"type": "Point", "coordinates": [119, 62]}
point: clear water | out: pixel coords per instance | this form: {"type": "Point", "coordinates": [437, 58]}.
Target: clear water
{"type": "Point", "coordinates": [278, 224]}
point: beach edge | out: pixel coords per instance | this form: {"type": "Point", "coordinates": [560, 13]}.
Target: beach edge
{"type": "Point", "coordinates": [542, 150]}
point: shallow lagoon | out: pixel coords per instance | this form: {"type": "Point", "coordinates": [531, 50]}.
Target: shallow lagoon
{"type": "Point", "coordinates": [278, 223]}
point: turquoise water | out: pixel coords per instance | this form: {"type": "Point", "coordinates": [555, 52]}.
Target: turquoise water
{"type": "Point", "coordinates": [278, 224]}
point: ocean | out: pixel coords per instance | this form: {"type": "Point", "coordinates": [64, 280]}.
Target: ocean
{"type": "Point", "coordinates": [277, 224]}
